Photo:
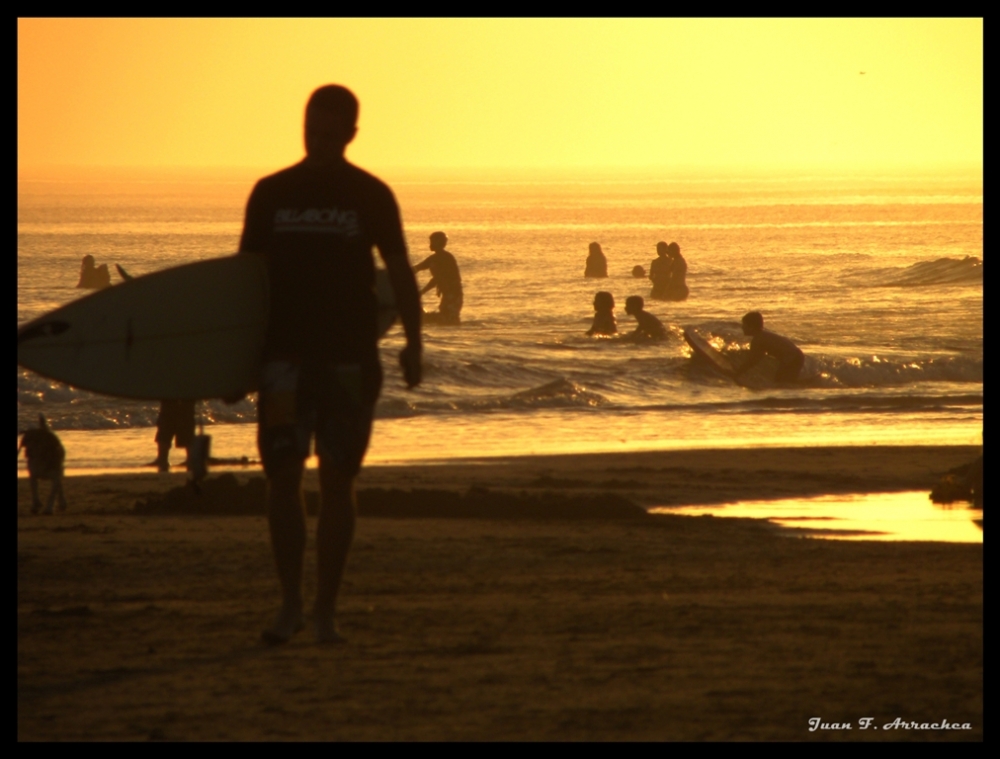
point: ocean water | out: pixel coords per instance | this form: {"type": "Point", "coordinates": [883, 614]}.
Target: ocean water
{"type": "Point", "coordinates": [879, 279]}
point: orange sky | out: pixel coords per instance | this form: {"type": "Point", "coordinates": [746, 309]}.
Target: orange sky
{"type": "Point", "coordinates": [514, 93]}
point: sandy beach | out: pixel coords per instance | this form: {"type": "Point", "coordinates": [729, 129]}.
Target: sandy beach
{"type": "Point", "coordinates": [469, 623]}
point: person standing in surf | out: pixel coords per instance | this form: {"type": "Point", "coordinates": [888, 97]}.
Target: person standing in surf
{"type": "Point", "coordinates": [315, 224]}
{"type": "Point", "coordinates": [174, 423]}
{"type": "Point", "coordinates": [660, 272]}
{"type": "Point", "coordinates": [766, 343]}
{"type": "Point", "coordinates": [445, 277]}
{"type": "Point", "coordinates": [597, 262]}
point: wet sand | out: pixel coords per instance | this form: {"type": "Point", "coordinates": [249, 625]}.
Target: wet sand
{"type": "Point", "coordinates": [529, 626]}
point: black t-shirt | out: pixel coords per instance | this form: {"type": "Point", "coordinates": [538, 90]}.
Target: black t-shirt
{"type": "Point", "coordinates": [316, 227]}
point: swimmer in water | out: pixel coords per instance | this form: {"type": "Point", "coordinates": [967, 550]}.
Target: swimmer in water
{"type": "Point", "coordinates": [648, 327]}
{"type": "Point", "coordinates": [597, 264]}
{"type": "Point", "coordinates": [604, 315]}
{"type": "Point", "coordinates": [93, 277]}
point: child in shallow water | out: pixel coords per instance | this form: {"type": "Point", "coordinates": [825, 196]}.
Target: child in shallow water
{"type": "Point", "coordinates": [648, 327]}
{"type": "Point", "coordinates": [604, 315]}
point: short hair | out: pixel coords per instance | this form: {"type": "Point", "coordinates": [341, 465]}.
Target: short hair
{"type": "Point", "coordinates": [754, 319]}
{"type": "Point", "coordinates": [595, 246]}
{"type": "Point", "coordinates": [439, 237]}
{"type": "Point", "coordinates": [662, 246]}
{"type": "Point", "coordinates": [634, 300]}
{"type": "Point", "coordinates": [335, 99]}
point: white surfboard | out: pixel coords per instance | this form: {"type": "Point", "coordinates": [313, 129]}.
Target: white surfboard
{"type": "Point", "coordinates": [190, 332]}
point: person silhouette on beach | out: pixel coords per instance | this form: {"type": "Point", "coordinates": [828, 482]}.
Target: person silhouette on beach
{"type": "Point", "coordinates": [604, 315]}
{"type": "Point", "coordinates": [314, 224]}
{"type": "Point", "coordinates": [45, 457]}
{"type": "Point", "coordinates": [766, 343]}
{"type": "Point", "coordinates": [648, 327]}
{"type": "Point", "coordinates": [597, 263]}
{"type": "Point", "coordinates": [93, 277]}
{"type": "Point", "coordinates": [175, 422]}
{"type": "Point", "coordinates": [446, 278]}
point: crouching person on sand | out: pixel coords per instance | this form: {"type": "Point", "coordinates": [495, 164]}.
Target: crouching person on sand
{"type": "Point", "coordinates": [45, 456]}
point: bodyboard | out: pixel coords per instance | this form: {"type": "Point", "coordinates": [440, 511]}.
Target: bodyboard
{"type": "Point", "coordinates": [703, 350]}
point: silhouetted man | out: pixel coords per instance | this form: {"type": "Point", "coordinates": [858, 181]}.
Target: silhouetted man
{"type": "Point", "coordinates": [445, 277]}
{"type": "Point", "coordinates": [175, 423]}
{"type": "Point", "coordinates": [315, 224]}
{"type": "Point", "coordinates": [766, 343]}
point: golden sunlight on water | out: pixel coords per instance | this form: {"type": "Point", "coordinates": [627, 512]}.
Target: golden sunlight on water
{"type": "Point", "coordinates": [874, 516]}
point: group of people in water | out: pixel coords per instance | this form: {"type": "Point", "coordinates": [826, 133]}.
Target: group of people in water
{"type": "Point", "coordinates": [648, 327]}
{"type": "Point", "coordinates": [763, 342]}
{"type": "Point", "coordinates": [667, 272]}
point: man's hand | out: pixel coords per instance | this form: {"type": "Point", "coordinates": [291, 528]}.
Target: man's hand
{"type": "Point", "coordinates": [410, 362]}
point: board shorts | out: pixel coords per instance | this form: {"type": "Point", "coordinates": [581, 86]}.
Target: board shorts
{"type": "Point", "coordinates": [331, 402]}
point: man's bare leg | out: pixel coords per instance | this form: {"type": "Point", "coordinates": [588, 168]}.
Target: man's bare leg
{"type": "Point", "coordinates": [333, 540]}
{"type": "Point", "coordinates": [286, 517]}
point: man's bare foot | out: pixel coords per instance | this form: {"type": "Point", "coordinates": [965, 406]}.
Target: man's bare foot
{"type": "Point", "coordinates": [285, 626]}
{"type": "Point", "coordinates": [327, 633]}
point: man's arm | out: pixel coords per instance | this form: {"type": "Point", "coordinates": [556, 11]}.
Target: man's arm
{"type": "Point", "coordinates": [392, 249]}
{"type": "Point", "coordinates": [756, 354]}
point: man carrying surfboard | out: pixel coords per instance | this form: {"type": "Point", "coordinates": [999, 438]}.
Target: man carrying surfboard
{"type": "Point", "coordinates": [315, 224]}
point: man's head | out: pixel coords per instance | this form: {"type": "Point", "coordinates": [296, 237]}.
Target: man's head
{"type": "Point", "coordinates": [331, 122]}
{"type": "Point", "coordinates": [661, 248]}
{"type": "Point", "coordinates": [438, 241]}
{"type": "Point", "coordinates": [753, 323]}
{"type": "Point", "coordinates": [634, 304]}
